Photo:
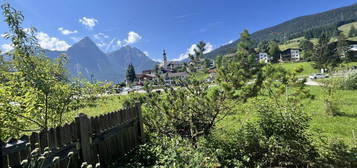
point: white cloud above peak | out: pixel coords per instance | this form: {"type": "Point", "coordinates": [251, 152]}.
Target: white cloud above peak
{"type": "Point", "coordinates": [100, 36]}
{"type": "Point", "coordinates": [89, 23]}
{"type": "Point", "coordinates": [133, 37]}
{"type": "Point", "coordinates": [209, 47]}
{"type": "Point", "coordinates": [67, 32]}
{"type": "Point", "coordinates": [51, 43]}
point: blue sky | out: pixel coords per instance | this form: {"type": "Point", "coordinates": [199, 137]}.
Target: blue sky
{"type": "Point", "coordinates": [154, 25]}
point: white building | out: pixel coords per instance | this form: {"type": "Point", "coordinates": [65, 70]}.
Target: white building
{"type": "Point", "coordinates": [263, 57]}
{"type": "Point", "coordinates": [290, 54]}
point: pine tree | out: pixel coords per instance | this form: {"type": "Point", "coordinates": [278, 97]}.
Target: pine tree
{"type": "Point", "coordinates": [342, 45]}
{"type": "Point", "coordinates": [130, 74]}
{"type": "Point", "coordinates": [307, 49]}
{"type": "Point", "coordinates": [197, 58]}
{"type": "Point", "coordinates": [246, 45]}
{"type": "Point", "coordinates": [263, 46]}
{"type": "Point", "coordinates": [324, 55]}
{"type": "Point", "coordinates": [235, 72]}
{"type": "Point", "coordinates": [274, 51]}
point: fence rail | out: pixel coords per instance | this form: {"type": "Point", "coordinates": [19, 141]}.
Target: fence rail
{"type": "Point", "coordinates": [91, 139]}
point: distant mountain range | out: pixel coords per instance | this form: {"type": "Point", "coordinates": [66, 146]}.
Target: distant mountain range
{"type": "Point", "coordinates": [295, 26]}
{"type": "Point", "coordinates": [86, 59]}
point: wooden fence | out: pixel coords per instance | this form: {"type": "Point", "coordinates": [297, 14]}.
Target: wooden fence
{"type": "Point", "coordinates": [96, 139]}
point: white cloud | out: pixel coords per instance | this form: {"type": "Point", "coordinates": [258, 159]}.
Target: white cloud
{"type": "Point", "coordinates": [208, 47]}
{"type": "Point", "coordinates": [6, 47]}
{"type": "Point", "coordinates": [100, 36]}
{"type": "Point", "coordinates": [230, 41]}
{"type": "Point", "coordinates": [75, 39]}
{"type": "Point", "coordinates": [67, 32]}
{"type": "Point", "coordinates": [51, 43]}
{"type": "Point", "coordinates": [146, 53]}
{"type": "Point", "coordinates": [133, 37]}
{"type": "Point", "coordinates": [191, 50]}
{"type": "Point", "coordinates": [88, 22]}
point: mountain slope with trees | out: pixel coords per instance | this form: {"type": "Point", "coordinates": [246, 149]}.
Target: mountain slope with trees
{"type": "Point", "coordinates": [311, 24]}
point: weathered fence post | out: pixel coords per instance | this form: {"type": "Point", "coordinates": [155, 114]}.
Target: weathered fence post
{"type": "Point", "coordinates": [140, 123]}
{"type": "Point", "coordinates": [2, 158]}
{"type": "Point", "coordinates": [84, 132]}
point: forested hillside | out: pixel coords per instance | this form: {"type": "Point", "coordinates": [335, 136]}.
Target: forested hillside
{"type": "Point", "coordinates": [310, 25]}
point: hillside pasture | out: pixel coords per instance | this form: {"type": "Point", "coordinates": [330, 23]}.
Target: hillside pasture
{"type": "Point", "coordinates": [322, 125]}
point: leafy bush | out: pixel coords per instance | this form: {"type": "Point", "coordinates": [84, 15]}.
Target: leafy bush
{"type": "Point", "coordinates": [163, 151]}
{"type": "Point", "coordinates": [350, 83]}
{"type": "Point", "coordinates": [338, 154]}
{"type": "Point", "coordinates": [278, 138]}
{"type": "Point", "coordinates": [190, 111]}
{"type": "Point", "coordinates": [331, 99]}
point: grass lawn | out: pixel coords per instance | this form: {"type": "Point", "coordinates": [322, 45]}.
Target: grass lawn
{"type": "Point", "coordinates": [346, 28]}
{"type": "Point", "coordinates": [350, 64]}
{"type": "Point", "coordinates": [102, 106]}
{"type": "Point", "coordinates": [322, 125]}
{"type": "Point", "coordinates": [308, 69]}
{"type": "Point", "coordinates": [338, 127]}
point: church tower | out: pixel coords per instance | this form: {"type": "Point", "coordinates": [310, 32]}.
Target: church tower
{"type": "Point", "coordinates": [165, 59]}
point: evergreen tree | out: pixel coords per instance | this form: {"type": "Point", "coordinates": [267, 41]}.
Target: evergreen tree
{"type": "Point", "coordinates": [234, 73]}
{"type": "Point", "coordinates": [342, 45]}
{"type": "Point", "coordinates": [274, 51]}
{"type": "Point", "coordinates": [246, 54]}
{"type": "Point", "coordinates": [307, 49]}
{"type": "Point", "coordinates": [352, 32]}
{"type": "Point", "coordinates": [263, 46]}
{"type": "Point", "coordinates": [245, 45]}
{"type": "Point", "coordinates": [324, 54]}
{"type": "Point", "coordinates": [197, 59]}
{"type": "Point", "coordinates": [130, 74]}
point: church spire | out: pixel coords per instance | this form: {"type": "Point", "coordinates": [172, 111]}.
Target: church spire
{"type": "Point", "coordinates": [164, 59]}
{"type": "Point", "coordinates": [164, 56]}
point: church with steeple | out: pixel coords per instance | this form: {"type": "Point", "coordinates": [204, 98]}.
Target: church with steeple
{"type": "Point", "coordinates": [166, 65]}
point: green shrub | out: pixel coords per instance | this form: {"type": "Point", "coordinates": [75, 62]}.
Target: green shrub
{"type": "Point", "coordinates": [338, 154]}
{"type": "Point", "coordinates": [330, 99]}
{"type": "Point", "coordinates": [350, 83]}
{"type": "Point", "coordinates": [170, 152]}
{"type": "Point", "coordinates": [279, 138]}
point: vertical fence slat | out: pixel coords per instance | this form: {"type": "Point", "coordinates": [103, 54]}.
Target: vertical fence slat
{"type": "Point", "coordinates": [117, 140]}
{"type": "Point", "coordinates": [126, 134]}
{"type": "Point", "coordinates": [73, 138]}
{"type": "Point", "coordinates": [66, 134]}
{"type": "Point", "coordinates": [3, 158]}
{"type": "Point", "coordinates": [99, 146]}
{"type": "Point", "coordinates": [84, 128]}
{"type": "Point", "coordinates": [94, 122]}
{"type": "Point", "coordinates": [24, 154]}
{"type": "Point", "coordinates": [14, 158]}
{"type": "Point", "coordinates": [130, 129]}
{"type": "Point", "coordinates": [104, 127]}
{"type": "Point", "coordinates": [51, 139]}
{"type": "Point", "coordinates": [112, 139]}
{"type": "Point", "coordinates": [34, 140]}
{"type": "Point", "coordinates": [43, 140]}
{"type": "Point", "coordinates": [140, 124]}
